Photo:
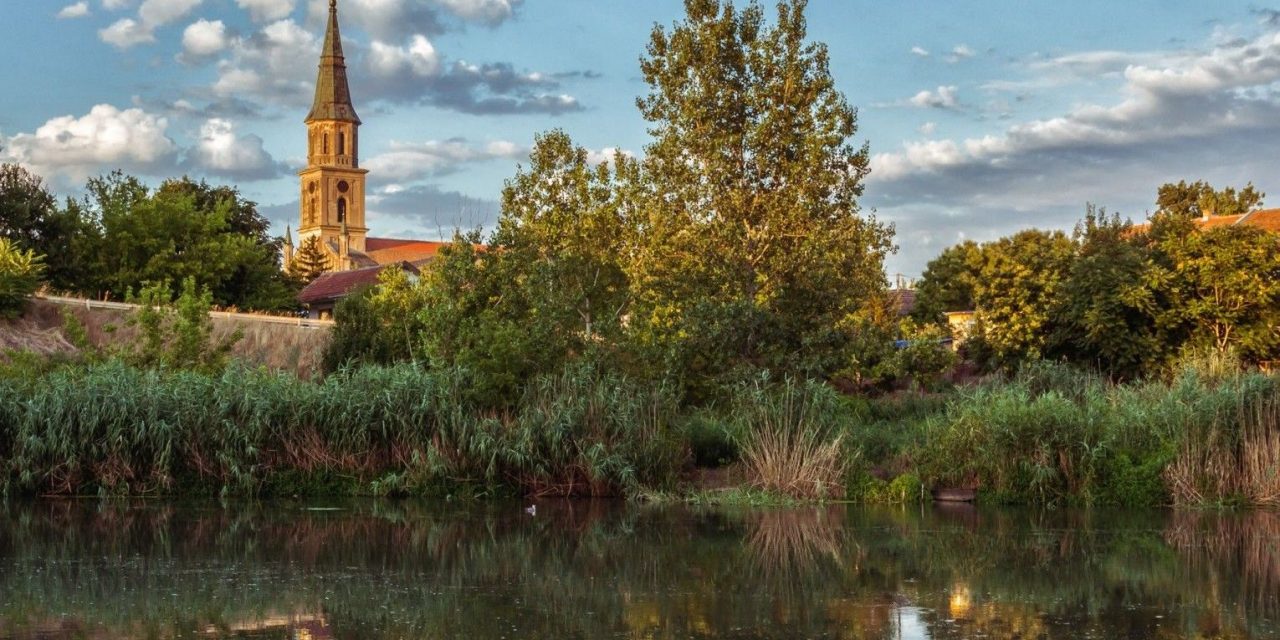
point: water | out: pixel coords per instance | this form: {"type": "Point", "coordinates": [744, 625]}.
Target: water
{"type": "Point", "coordinates": [309, 571]}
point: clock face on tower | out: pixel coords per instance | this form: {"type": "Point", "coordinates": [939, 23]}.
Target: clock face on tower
{"type": "Point", "coordinates": [343, 187]}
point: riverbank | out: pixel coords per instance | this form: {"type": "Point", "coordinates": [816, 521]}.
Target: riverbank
{"type": "Point", "coordinates": [1051, 435]}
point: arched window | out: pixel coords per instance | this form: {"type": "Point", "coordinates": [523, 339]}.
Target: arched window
{"type": "Point", "coordinates": [342, 210]}
{"type": "Point", "coordinates": [342, 144]}
{"type": "Point", "coordinates": [326, 144]}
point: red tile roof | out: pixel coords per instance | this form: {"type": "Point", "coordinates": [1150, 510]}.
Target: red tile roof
{"type": "Point", "coordinates": [334, 285]}
{"type": "Point", "coordinates": [1266, 219]}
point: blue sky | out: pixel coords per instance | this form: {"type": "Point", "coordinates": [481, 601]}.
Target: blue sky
{"type": "Point", "coordinates": [983, 117]}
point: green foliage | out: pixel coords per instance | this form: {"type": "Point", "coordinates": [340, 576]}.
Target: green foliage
{"type": "Point", "coordinates": [1020, 284]}
{"type": "Point", "coordinates": [309, 262]}
{"type": "Point", "coordinates": [749, 249]}
{"type": "Point", "coordinates": [31, 218]}
{"type": "Point", "coordinates": [1200, 199]}
{"type": "Point", "coordinates": [20, 273]}
{"type": "Point", "coordinates": [923, 356]}
{"type": "Point", "coordinates": [949, 282]}
{"type": "Point", "coordinates": [177, 333]}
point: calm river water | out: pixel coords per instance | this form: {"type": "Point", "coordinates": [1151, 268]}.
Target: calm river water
{"type": "Point", "coordinates": [87, 569]}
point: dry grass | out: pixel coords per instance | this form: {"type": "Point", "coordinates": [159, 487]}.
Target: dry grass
{"type": "Point", "coordinates": [278, 347]}
{"type": "Point", "coordinates": [1219, 466]}
{"type": "Point", "coordinates": [792, 447]}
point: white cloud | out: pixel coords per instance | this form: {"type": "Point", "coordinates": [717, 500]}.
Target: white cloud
{"type": "Point", "coordinates": [104, 139]}
{"type": "Point", "coordinates": [267, 10]}
{"type": "Point", "coordinates": [157, 13]}
{"type": "Point", "coordinates": [942, 98]}
{"type": "Point", "coordinates": [116, 5]}
{"type": "Point", "coordinates": [153, 14]}
{"type": "Point", "coordinates": [408, 162]}
{"type": "Point", "coordinates": [960, 52]}
{"type": "Point", "coordinates": [418, 58]}
{"type": "Point", "coordinates": [204, 38]}
{"type": "Point", "coordinates": [77, 10]}
{"type": "Point", "coordinates": [125, 33]}
{"type": "Point", "coordinates": [485, 11]}
{"type": "Point", "coordinates": [606, 155]}
{"type": "Point", "coordinates": [220, 151]}
{"type": "Point", "coordinates": [928, 128]}
{"type": "Point", "coordinates": [920, 51]}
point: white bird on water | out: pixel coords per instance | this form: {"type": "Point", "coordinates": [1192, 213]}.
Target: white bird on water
{"type": "Point", "coordinates": [531, 510]}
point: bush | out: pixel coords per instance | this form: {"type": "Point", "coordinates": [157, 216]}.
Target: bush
{"type": "Point", "coordinates": [20, 273]}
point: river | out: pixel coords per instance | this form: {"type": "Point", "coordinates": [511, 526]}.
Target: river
{"type": "Point", "coordinates": [388, 569]}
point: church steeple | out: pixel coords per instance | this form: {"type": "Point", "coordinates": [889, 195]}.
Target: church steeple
{"type": "Point", "coordinates": [333, 95]}
{"type": "Point", "coordinates": [332, 184]}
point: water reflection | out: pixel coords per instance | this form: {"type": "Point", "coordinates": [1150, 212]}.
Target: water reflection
{"type": "Point", "coordinates": [602, 570]}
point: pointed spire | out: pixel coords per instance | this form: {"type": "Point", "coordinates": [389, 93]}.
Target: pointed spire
{"type": "Point", "coordinates": [288, 235]}
{"type": "Point", "coordinates": [333, 95]}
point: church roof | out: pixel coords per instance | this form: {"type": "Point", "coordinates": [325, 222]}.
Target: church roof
{"type": "Point", "coordinates": [333, 94]}
{"type": "Point", "coordinates": [387, 250]}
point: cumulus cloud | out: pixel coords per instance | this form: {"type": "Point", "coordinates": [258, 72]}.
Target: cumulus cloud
{"type": "Point", "coordinates": [491, 12]}
{"type": "Point", "coordinates": [106, 138]}
{"type": "Point", "coordinates": [222, 152]}
{"type": "Point", "coordinates": [942, 98]}
{"type": "Point", "coordinates": [395, 20]}
{"type": "Point", "coordinates": [203, 39]}
{"type": "Point", "coordinates": [268, 66]}
{"type": "Point", "coordinates": [116, 5]}
{"type": "Point", "coordinates": [267, 10]}
{"type": "Point", "coordinates": [406, 162]}
{"type": "Point", "coordinates": [417, 58]}
{"type": "Point", "coordinates": [77, 10]}
{"type": "Point", "coordinates": [920, 51]}
{"type": "Point", "coordinates": [153, 14]}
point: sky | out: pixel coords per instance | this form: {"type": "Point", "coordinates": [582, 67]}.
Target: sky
{"type": "Point", "coordinates": [983, 118]}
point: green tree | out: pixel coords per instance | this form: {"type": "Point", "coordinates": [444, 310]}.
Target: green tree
{"type": "Point", "coordinates": [177, 332]}
{"type": "Point", "coordinates": [1222, 287]}
{"type": "Point", "coordinates": [751, 249]}
{"type": "Point", "coordinates": [1199, 199]}
{"type": "Point", "coordinates": [1107, 317]}
{"type": "Point", "coordinates": [1018, 289]}
{"type": "Point", "coordinates": [20, 271]}
{"type": "Point", "coordinates": [30, 216]}
{"type": "Point", "coordinates": [309, 262]}
{"type": "Point", "coordinates": [949, 282]}
{"type": "Point", "coordinates": [169, 237]}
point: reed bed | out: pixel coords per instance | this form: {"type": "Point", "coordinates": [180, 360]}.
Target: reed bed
{"type": "Point", "coordinates": [113, 429]}
{"type": "Point", "coordinates": [793, 438]}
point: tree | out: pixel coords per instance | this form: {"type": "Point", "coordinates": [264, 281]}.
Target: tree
{"type": "Point", "coordinates": [751, 250]}
{"type": "Point", "coordinates": [1107, 315]}
{"type": "Point", "coordinates": [170, 236]}
{"type": "Point", "coordinates": [1222, 287]}
{"type": "Point", "coordinates": [1021, 282]}
{"type": "Point", "coordinates": [309, 262]}
{"type": "Point", "coordinates": [1200, 199]}
{"type": "Point", "coordinates": [949, 282]}
{"type": "Point", "coordinates": [30, 217]}
{"type": "Point", "coordinates": [176, 332]}
{"type": "Point", "coordinates": [563, 229]}
{"type": "Point", "coordinates": [20, 272]}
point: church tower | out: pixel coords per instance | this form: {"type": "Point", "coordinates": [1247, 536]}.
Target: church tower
{"type": "Point", "coordinates": [333, 182]}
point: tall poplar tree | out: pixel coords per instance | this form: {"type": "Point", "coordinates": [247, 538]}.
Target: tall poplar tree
{"type": "Point", "coordinates": [752, 249]}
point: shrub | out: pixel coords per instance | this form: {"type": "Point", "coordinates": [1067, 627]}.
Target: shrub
{"type": "Point", "coordinates": [20, 273]}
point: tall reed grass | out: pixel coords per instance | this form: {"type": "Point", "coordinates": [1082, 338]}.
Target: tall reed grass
{"type": "Point", "coordinates": [110, 428]}
{"type": "Point", "coordinates": [793, 437]}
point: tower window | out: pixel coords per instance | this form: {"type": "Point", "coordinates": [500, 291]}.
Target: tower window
{"type": "Point", "coordinates": [326, 144]}
{"type": "Point", "coordinates": [342, 210]}
{"type": "Point", "coordinates": [342, 144]}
